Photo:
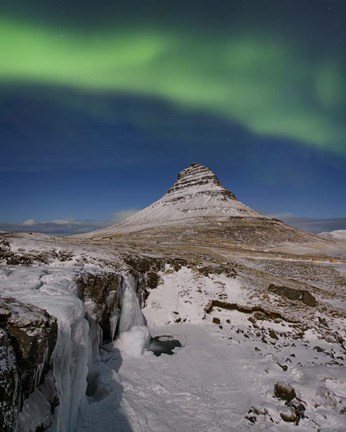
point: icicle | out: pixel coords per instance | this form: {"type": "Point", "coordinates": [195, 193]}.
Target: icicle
{"type": "Point", "coordinates": [71, 357]}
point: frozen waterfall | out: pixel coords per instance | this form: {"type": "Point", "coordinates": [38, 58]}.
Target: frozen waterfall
{"type": "Point", "coordinates": [74, 359]}
{"type": "Point", "coordinates": [131, 314]}
{"type": "Point", "coordinates": [133, 333]}
{"type": "Point", "coordinates": [71, 365]}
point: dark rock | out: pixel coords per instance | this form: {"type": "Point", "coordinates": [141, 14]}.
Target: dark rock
{"type": "Point", "coordinates": [308, 299]}
{"type": "Point", "coordinates": [145, 264]}
{"type": "Point", "coordinates": [140, 264]}
{"type": "Point", "coordinates": [323, 322]}
{"type": "Point", "coordinates": [104, 292]}
{"type": "Point", "coordinates": [9, 380]}
{"type": "Point", "coordinates": [290, 416]}
{"type": "Point", "coordinates": [298, 408]}
{"type": "Point", "coordinates": [258, 311]}
{"type": "Point", "coordinates": [283, 367]}
{"type": "Point", "coordinates": [251, 418]}
{"type": "Point", "coordinates": [229, 271]}
{"type": "Point", "coordinates": [28, 336]}
{"type": "Point", "coordinates": [273, 334]}
{"type": "Point", "coordinates": [152, 279]}
{"type": "Point", "coordinates": [216, 320]}
{"type": "Point", "coordinates": [19, 259]}
{"type": "Point", "coordinates": [5, 246]}
{"type": "Point", "coordinates": [254, 413]}
{"type": "Point", "coordinates": [177, 263]}
{"type": "Point", "coordinates": [65, 256]}
{"type": "Point", "coordinates": [284, 391]}
{"type": "Point", "coordinates": [294, 294]}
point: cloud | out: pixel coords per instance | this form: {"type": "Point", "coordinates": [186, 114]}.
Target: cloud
{"type": "Point", "coordinates": [123, 214]}
{"type": "Point", "coordinates": [311, 224]}
{"type": "Point", "coordinates": [70, 226]}
{"type": "Point", "coordinates": [67, 221]}
{"type": "Point", "coordinates": [29, 222]}
{"type": "Point", "coordinates": [66, 226]}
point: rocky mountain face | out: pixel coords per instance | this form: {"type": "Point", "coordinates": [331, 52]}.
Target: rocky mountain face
{"type": "Point", "coordinates": [197, 179]}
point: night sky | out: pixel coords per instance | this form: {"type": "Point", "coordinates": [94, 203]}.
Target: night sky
{"type": "Point", "coordinates": [103, 102]}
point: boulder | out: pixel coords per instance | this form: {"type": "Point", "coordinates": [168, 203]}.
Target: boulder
{"type": "Point", "coordinates": [284, 391]}
{"type": "Point", "coordinates": [294, 294]}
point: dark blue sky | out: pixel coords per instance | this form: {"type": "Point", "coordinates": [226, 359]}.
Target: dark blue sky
{"type": "Point", "coordinates": [100, 108]}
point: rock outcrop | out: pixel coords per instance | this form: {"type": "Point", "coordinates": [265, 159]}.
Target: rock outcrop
{"type": "Point", "coordinates": [102, 296]}
{"type": "Point", "coordinates": [28, 336]}
{"type": "Point", "coordinates": [294, 294]}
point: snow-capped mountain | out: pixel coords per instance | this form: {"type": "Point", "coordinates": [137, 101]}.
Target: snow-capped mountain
{"type": "Point", "coordinates": [196, 195]}
{"type": "Point", "coordinates": [198, 208]}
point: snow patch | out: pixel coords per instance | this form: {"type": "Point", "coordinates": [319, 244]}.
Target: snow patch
{"type": "Point", "coordinates": [337, 234]}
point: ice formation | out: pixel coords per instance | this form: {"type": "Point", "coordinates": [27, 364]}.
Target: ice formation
{"type": "Point", "coordinates": [133, 332]}
{"type": "Point", "coordinates": [71, 367]}
{"type": "Point", "coordinates": [55, 289]}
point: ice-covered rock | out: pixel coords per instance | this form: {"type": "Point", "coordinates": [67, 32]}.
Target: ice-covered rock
{"type": "Point", "coordinates": [28, 336]}
{"type": "Point", "coordinates": [46, 358]}
{"type": "Point", "coordinates": [101, 295]}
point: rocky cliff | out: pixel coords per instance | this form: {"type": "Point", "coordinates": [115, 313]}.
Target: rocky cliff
{"type": "Point", "coordinates": [28, 395]}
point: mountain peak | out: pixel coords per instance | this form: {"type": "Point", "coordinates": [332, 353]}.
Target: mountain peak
{"type": "Point", "coordinates": [197, 197]}
{"type": "Point", "coordinates": [197, 179]}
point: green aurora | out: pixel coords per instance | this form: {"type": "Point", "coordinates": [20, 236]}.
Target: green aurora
{"type": "Point", "coordinates": [262, 83]}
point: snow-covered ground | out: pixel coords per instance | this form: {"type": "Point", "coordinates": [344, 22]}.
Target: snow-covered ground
{"type": "Point", "coordinates": [223, 377]}
{"type": "Point", "coordinates": [234, 351]}
{"type": "Point", "coordinates": [220, 380]}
